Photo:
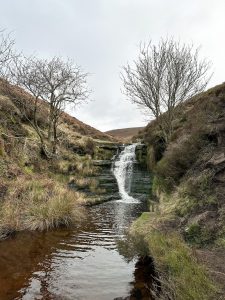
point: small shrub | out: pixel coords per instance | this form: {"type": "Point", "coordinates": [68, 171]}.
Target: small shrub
{"type": "Point", "coordinates": [178, 159]}
{"type": "Point", "coordinates": [151, 157]}
{"type": "Point", "coordinates": [193, 234]}
{"type": "Point", "coordinates": [90, 146]}
{"type": "Point", "coordinates": [196, 193]}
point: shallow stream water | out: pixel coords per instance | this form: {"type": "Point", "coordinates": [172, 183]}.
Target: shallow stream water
{"type": "Point", "coordinates": [78, 263]}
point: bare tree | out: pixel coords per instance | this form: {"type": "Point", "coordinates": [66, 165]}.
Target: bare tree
{"type": "Point", "coordinates": [54, 81]}
{"type": "Point", "coordinates": [25, 76]}
{"type": "Point", "coordinates": [164, 76]}
{"type": "Point", "coordinates": [6, 52]}
{"type": "Point", "coordinates": [64, 84]}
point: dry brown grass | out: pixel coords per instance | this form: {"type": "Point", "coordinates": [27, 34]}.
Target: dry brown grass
{"type": "Point", "coordinates": [39, 203]}
{"type": "Point", "coordinates": [33, 189]}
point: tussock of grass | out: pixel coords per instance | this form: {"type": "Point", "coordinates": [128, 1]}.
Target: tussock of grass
{"type": "Point", "coordinates": [196, 193]}
{"type": "Point", "coordinates": [88, 145]}
{"type": "Point", "coordinates": [74, 165]}
{"type": "Point", "coordinates": [85, 166]}
{"type": "Point", "coordinates": [81, 182]}
{"type": "Point", "coordinates": [39, 204]}
{"type": "Point", "coordinates": [88, 184]}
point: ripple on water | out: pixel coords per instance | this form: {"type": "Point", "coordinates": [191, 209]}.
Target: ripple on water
{"type": "Point", "coordinates": [82, 263]}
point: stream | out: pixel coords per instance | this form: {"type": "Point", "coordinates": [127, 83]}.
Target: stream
{"type": "Point", "coordinates": [76, 263]}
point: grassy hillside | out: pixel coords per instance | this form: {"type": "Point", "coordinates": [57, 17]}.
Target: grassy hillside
{"type": "Point", "coordinates": [188, 217]}
{"type": "Point", "coordinates": [33, 188]}
{"type": "Point", "coordinates": [75, 126]}
{"type": "Point", "coordinates": [124, 133]}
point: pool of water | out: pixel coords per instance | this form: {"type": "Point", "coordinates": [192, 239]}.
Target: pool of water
{"type": "Point", "coordinates": [77, 263]}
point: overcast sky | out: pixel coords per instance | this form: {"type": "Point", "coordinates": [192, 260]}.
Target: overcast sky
{"type": "Point", "coordinates": [102, 35]}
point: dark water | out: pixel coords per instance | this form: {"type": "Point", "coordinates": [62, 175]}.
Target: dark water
{"type": "Point", "coordinates": [80, 263]}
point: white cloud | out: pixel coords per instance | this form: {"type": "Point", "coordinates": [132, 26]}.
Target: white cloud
{"type": "Point", "coordinates": [102, 35]}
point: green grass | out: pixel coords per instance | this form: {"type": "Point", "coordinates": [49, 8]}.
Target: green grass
{"type": "Point", "coordinates": [220, 242]}
{"type": "Point", "coordinates": [182, 278]}
{"type": "Point", "coordinates": [196, 193]}
{"type": "Point", "coordinates": [144, 216]}
{"type": "Point", "coordinates": [189, 280]}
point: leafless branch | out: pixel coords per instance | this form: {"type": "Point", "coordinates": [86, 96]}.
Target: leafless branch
{"type": "Point", "coordinates": [7, 52]}
{"type": "Point", "coordinates": [56, 82]}
{"type": "Point", "coordinates": [164, 76]}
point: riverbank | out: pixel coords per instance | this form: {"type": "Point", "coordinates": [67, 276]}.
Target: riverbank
{"type": "Point", "coordinates": [180, 275]}
{"type": "Point", "coordinates": [50, 194]}
{"type": "Point", "coordinates": [38, 203]}
{"type": "Point", "coordinates": [187, 213]}
{"type": "Point", "coordinates": [35, 191]}
{"type": "Point", "coordinates": [81, 260]}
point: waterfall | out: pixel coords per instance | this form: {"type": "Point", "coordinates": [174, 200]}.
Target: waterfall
{"type": "Point", "coordinates": [123, 171]}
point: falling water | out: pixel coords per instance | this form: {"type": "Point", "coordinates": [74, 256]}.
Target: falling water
{"type": "Point", "coordinates": [123, 171]}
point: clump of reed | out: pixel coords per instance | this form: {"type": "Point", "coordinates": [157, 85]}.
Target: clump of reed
{"type": "Point", "coordinates": [39, 204]}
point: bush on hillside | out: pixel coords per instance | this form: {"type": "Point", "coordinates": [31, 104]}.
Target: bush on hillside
{"type": "Point", "coordinates": [196, 194]}
{"type": "Point", "coordinates": [178, 159]}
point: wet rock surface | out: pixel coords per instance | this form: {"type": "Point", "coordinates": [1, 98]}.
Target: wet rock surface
{"type": "Point", "coordinates": [107, 187]}
{"type": "Point", "coordinates": [141, 154]}
{"type": "Point", "coordinates": [140, 185]}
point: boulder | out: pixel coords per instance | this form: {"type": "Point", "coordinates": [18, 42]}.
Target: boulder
{"type": "Point", "coordinates": [203, 218]}
{"type": "Point", "coordinates": [108, 147]}
{"type": "Point", "coordinates": [217, 159]}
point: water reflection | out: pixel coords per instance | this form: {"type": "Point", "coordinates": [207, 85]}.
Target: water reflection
{"type": "Point", "coordinates": [80, 263]}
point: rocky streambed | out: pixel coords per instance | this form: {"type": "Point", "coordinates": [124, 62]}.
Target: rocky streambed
{"type": "Point", "coordinates": [107, 184]}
